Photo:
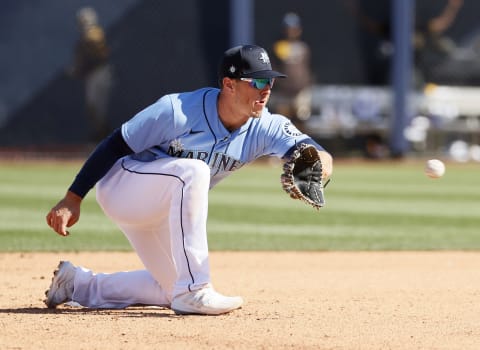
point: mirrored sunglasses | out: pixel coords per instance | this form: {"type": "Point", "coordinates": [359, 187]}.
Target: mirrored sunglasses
{"type": "Point", "coordinates": [259, 83]}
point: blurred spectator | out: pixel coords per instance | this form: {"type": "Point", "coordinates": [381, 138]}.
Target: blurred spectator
{"type": "Point", "coordinates": [436, 56]}
{"type": "Point", "coordinates": [432, 46]}
{"type": "Point", "coordinates": [374, 34]}
{"type": "Point", "coordinates": [291, 55]}
{"type": "Point", "coordinates": [91, 65]}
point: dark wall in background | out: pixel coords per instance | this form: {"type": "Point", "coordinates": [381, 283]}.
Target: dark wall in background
{"type": "Point", "coordinates": [156, 47]}
{"type": "Point", "coordinates": [159, 47]}
{"type": "Point", "coordinates": [36, 42]}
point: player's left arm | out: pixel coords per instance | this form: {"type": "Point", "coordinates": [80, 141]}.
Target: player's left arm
{"type": "Point", "coordinates": [308, 166]}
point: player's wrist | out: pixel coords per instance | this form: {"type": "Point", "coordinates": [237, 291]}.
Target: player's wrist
{"type": "Point", "coordinates": [73, 197]}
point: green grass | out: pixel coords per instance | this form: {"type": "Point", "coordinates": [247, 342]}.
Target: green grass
{"type": "Point", "coordinates": [370, 206]}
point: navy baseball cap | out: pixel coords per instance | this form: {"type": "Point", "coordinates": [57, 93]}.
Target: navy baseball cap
{"type": "Point", "coordinates": [247, 61]}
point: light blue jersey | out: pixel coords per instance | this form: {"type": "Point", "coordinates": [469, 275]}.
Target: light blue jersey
{"type": "Point", "coordinates": [187, 125]}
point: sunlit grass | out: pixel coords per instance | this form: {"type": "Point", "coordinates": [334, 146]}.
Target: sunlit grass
{"type": "Point", "coordinates": [370, 206]}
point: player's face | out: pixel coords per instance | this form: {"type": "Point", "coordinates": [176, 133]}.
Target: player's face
{"type": "Point", "coordinates": [253, 95]}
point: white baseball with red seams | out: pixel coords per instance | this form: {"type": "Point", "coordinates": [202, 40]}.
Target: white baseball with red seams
{"type": "Point", "coordinates": [434, 168]}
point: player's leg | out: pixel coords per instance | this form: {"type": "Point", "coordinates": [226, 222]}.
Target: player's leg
{"type": "Point", "coordinates": [137, 203]}
{"type": "Point", "coordinates": [104, 290]}
{"type": "Point", "coordinates": [192, 291]}
{"type": "Point", "coordinates": [162, 208]}
{"type": "Point", "coordinates": [117, 290]}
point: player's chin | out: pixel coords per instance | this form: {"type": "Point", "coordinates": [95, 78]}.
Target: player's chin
{"type": "Point", "coordinates": [258, 107]}
{"type": "Point", "coordinates": [257, 113]}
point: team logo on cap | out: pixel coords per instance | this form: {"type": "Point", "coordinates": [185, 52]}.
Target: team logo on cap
{"type": "Point", "coordinates": [264, 57]}
{"type": "Point", "coordinates": [232, 69]}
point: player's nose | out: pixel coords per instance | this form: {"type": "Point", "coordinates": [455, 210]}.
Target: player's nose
{"type": "Point", "coordinates": [265, 92]}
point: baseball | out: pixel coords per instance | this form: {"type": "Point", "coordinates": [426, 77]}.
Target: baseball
{"type": "Point", "coordinates": [434, 168]}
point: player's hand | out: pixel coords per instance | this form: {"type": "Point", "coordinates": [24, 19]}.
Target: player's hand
{"type": "Point", "coordinates": [65, 214]}
{"type": "Point", "coordinates": [327, 165]}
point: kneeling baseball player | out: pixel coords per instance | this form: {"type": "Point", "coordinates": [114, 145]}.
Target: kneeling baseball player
{"type": "Point", "coordinates": [152, 178]}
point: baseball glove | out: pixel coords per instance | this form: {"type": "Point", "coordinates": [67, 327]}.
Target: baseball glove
{"type": "Point", "coordinates": [302, 176]}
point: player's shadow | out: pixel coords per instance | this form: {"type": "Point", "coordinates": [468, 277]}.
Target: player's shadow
{"type": "Point", "coordinates": [133, 312]}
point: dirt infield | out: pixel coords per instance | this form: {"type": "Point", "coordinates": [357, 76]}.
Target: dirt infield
{"type": "Point", "coordinates": [391, 300]}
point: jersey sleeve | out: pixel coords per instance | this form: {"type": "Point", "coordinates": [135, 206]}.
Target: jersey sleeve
{"type": "Point", "coordinates": [150, 126]}
{"type": "Point", "coordinates": [99, 162]}
{"type": "Point", "coordinates": [282, 137]}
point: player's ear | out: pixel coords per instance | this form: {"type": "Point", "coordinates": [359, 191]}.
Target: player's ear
{"type": "Point", "coordinates": [228, 84]}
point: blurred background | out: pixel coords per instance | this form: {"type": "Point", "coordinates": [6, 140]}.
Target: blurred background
{"type": "Point", "coordinates": [367, 78]}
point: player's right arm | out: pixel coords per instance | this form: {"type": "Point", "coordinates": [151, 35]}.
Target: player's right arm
{"type": "Point", "coordinates": [146, 129]}
{"type": "Point", "coordinates": [67, 211]}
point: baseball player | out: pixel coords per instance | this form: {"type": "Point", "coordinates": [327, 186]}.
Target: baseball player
{"type": "Point", "coordinates": [152, 178]}
{"type": "Point", "coordinates": [91, 65]}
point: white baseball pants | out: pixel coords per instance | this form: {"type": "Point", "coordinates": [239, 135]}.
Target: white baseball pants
{"type": "Point", "coordinates": [162, 208]}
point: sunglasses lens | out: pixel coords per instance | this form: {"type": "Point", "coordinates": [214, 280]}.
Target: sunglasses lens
{"type": "Point", "coordinates": [261, 83]}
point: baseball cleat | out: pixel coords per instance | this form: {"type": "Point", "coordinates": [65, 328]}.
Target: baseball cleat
{"type": "Point", "coordinates": [205, 301]}
{"type": "Point", "coordinates": [61, 288]}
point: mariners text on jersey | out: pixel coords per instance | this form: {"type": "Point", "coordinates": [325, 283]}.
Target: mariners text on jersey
{"type": "Point", "coordinates": [217, 161]}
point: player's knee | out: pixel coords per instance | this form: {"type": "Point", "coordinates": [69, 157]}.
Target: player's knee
{"type": "Point", "coordinates": [198, 172]}
{"type": "Point", "coordinates": [202, 172]}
